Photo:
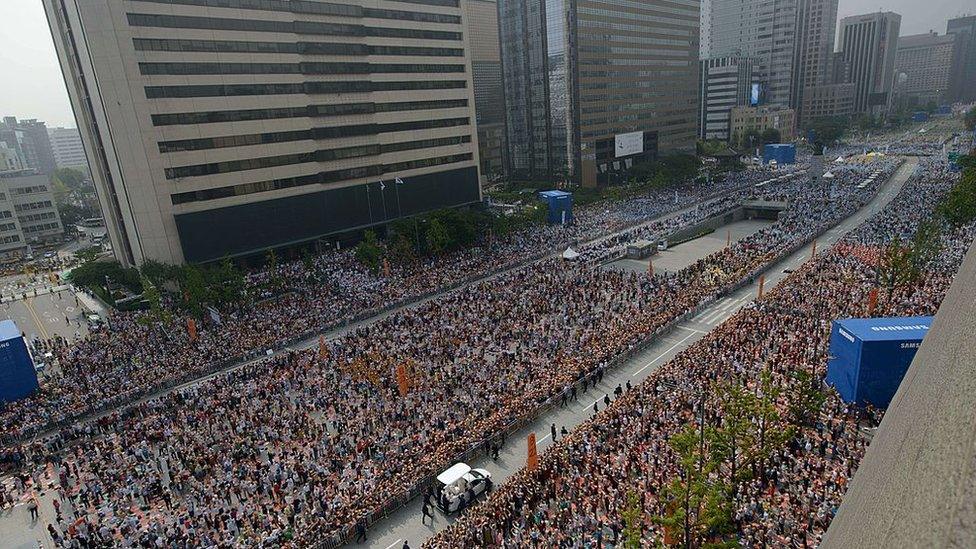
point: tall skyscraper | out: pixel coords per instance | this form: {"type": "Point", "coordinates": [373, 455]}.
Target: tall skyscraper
{"type": "Point", "coordinates": [927, 61]}
{"type": "Point", "coordinates": [226, 128]}
{"type": "Point", "coordinates": [705, 23]}
{"type": "Point", "coordinates": [815, 29]}
{"type": "Point", "coordinates": [67, 148]}
{"type": "Point", "coordinates": [29, 138]}
{"type": "Point", "coordinates": [481, 22]}
{"type": "Point", "coordinates": [869, 43]}
{"type": "Point", "coordinates": [726, 82]}
{"type": "Point", "coordinates": [592, 87]}
{"type": "Point", "coordinates": [964, 72]}
{"type": "Point", "coordinates": [764, 30]}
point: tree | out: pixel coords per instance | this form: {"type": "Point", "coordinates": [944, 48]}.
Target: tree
{"type": "Point", "coordinates": [696, 502]}
{"type": "Point", "coordinates": [896, 266]}
{"type": "Point", "coordinates": [438, 238]}
{"type": "Point", "coordinates": [157, 312]}
{"type": "Point", "coordinates": [735, 439]}
{"type": "Point", "coordinates": [225, 283]}
{"type": "Point", "coordinates": [970, 119]}
{"type": "Point", "coordinates": [805, 399]}
{"type": "Point", "coordinates": [194, 287]}
{"type": "Point", "coordinates": [770, 135]}
{"type": "Point", "coordinates": [926, 244]}
{"type": "Point", "coordinates": [633, 518]}
{"type": "Point", "coordinates": [959, 207]}
{"type": "Point", "coordinates": [770, 434]}
{"type": "Point", "coordinates": [368, 251]}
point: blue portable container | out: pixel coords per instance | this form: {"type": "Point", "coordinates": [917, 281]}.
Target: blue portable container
{"type": "Point", "coordinates": [782, 153]}
{"type": "Point", "coordinates": [17, 375]}
{"type": "Point", "coordinates": [869, 356]}
{"type": "Point", "coordinates": [560, 205]}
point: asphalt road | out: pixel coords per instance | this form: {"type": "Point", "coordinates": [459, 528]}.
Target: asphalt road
{"type": "Point", "coordinates": [405, 524]}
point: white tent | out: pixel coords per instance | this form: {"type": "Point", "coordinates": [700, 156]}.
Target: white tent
{"type": "Point", "coordinates": [839, 159]}
{"type": "Point", "coordinates": [828, 175]}
{"type": "Point", "coordinates": [570, 254]}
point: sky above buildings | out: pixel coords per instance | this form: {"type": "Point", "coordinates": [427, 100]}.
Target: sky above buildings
{"type": "Point", "coordinates": [32, 85]}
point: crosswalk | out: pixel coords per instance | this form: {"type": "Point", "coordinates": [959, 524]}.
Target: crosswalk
{"type": "Point", "coordinates": [720, 311]}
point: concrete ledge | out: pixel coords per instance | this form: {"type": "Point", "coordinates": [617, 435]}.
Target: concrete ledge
{"type": "Point", "coordinates": [916, 486]}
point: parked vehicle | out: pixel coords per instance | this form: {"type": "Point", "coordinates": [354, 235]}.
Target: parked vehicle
{"type": "Point", "coordinates": [460, 485]}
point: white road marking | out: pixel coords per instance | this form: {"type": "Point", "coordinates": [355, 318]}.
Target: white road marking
{"type": "Point", "coordinates": [692, 330]}
{"type": "Point", "coordinates": [394, 543]}
{"type": "Point", "coordinates": [660, 356]}
{"type": "Point", "coordinates": [538, 442]}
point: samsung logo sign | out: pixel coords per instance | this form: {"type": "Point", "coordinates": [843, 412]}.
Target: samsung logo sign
{"type": "Point", "coordinates": [846, 335]}
{"type": "Point", "coordinates": [899, 328]}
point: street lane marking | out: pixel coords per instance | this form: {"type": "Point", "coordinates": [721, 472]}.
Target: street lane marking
{"type": "Point", "coordinates": [692, 330]}
{"type": "Point", "coordinates": [660, 356]}
{"type": "Point", "coordinates": [538, 442]}
{"type": "Point", "coordinates": [394, 543]}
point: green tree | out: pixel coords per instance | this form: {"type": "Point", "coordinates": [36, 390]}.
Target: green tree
{"type": "Point", "coordinates": [770, 135]}
{"type": "Point", "coordinates": [633, 519]}
{"type": "Point", "coordinates": [896, 266]}
{"type": "Point", "coordinates": [157, 312]}
{"type": "Point", "coordinates": [735, 439]}
{"type": "Point", "coordinates": [805, 399]}
{"type": "Point", "coordinates": [195, 291]}
{"type": "Point", "coordinates": [771, 435]}
{"type": "Point", "coordinates": [368, 251]}
{"type": "Point", "coordinates": [225, 283]}
{"type": "Point", "coordinates": [959, 207]}
{"type": "Point", "coordinates": [970, 119]}
{"type": "Point", "coordinates": [926, 244]}
{"type": "Point", "coordinates": [696, 502]}
{"type": "Point", "coordinates": [438, 238]}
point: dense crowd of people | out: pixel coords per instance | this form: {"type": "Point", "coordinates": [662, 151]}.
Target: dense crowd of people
{"type": "Point", "coordinates": [129, 358]}
{"type": "Point", "coordinates": [305, 444]}
{"type": "Point", "coordinates": [576, 495]}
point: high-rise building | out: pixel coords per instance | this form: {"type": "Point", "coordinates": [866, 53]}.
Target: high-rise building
{"type": "Point", "coordinates": [705, 25]}
{"type": "Point", "coordinates": [764, 30]}
{"type": "Point", "coordinates": [67, 148]}
{"type": "Point", "coordinates": [29, 138]}
{"type": "Point", "coordinates": [927, 61]}
{"type": "Point", "coordinates": [226, 128]}
{"type": "Point", "coordinates": [592, 87]}
{"type": "Point", "coordinates": [869, 43]}
{"type": "Point", "coordinates": [760, 119]}
{"type": "Point", "coordinates": [28, 213]}
{"type": "Point", "coordinates": [726, 82]}
{"type": "Point", "coordinates": [963, 81]}
{"type": "Point", "coordinates": [481, 22]}
{"type": "Point", "coordinates": [815, 29]}
{"type": "Point", "coordinates": [10, 159]}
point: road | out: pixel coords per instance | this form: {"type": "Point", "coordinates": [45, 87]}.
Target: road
{"type": "Point", "coordinates": [405, 525]}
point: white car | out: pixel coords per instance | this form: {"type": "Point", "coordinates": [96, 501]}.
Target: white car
{"type": "Point", "coordinates": [460, 483]}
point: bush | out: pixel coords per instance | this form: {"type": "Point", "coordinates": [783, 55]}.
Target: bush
{"type": "Point", "coordinates": [93, 274]}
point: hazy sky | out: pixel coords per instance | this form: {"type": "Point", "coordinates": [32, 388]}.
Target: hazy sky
{"type": "Point", "coordinates": [32, 86]}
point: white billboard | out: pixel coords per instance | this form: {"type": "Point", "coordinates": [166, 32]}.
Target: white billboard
{"type": "Point", "coordinates": [626, 144]}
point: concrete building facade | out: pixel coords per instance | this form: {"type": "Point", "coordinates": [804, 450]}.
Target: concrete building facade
{"type": "Point", "coordinates": [815, 30]}
{"type": "Point", "coordinates": [761, 119]}
{"type": "Point", "coordinates": [963, 81]}
{"type": "Point", "coordinates": [583, 79]}
{"type": "Point", "coordinates": [28, 213]}
{"type": "Point", "coordinates": [226, 128]}
{"type": "Point", "coordinates": [764, 30]}
{"type": "Point", "coordinates": [726, 82]}
{"type": "Point", "coordinates": [927, 60]}
{"type": "Point", "coordinates": [29, 138]}
{"type": "Point", "coordinates": [869, 43]}
{"type": "Point", "coordinates": [828, 100]}
{"type": "Point", "coordinates": [67, 148]}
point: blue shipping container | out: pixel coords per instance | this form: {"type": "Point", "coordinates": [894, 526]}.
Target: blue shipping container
{"type": "Point", "coordinates": [782, 153]}
{"type": "Point", "coordinates": [560, 205]}
{"type": "Point", "coordinates": [17, 375]}
{"type": "Point", "coordinates": [869, 356]}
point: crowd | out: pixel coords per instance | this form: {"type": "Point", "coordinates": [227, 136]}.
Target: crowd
{"type": "Point", "coordinates": [128, 358]}
{"type": "Point", "coordinates": [575, 496]}
{"type": "Point", "coordinates": [303, 445]}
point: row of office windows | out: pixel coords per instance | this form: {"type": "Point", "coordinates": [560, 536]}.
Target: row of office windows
{"type": "Point", "coordinates": [310, 111]}
{"type": "Point", "coordinates": [31, 189]}
{"type": "Point", "coordinates": [300, 135]}
{"type": "Point", "coordinates": [10, 239]}
{"type": "Point", "coordinates": [297, 6]}
{"type": "Point", "coordinates": [33, 205]}
{"type": "Point", "coordinates": [295, 68]}
{"type": "Point", "coordinates": [309, 48]}
{"type": "Point", "coordinates": [314, 156]}
{"type": "Point", "coordinates": [7, 226]}
{"type": "Point", "coordinates": [287, 27]}
{"type": "Point", "coordinates": [351, 86]}
{"type": "Point", "coordinates": [38, 217]}
{"type": "Point", "coordinates": [39, 228]}
{"type": "Point", "coordinates": [6, 214]}
{"type": "Point", "coordinates": [314, 179]}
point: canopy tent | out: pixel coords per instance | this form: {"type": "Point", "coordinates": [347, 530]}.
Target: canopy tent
{"type": "Point", "coordinates": [828, 175]}
{"type": "Point", "coordinates": [570, 254]}
{"type": "Point", "coordinates": [840, 159]}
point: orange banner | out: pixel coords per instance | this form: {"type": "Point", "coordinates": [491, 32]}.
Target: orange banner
{"type": "Point", "coordinates": [386, 267]}
{"type": "Point", "coordinates": [813, 252]}
{"type": "Point", "coordinates": [191, 328]}
{"type": "Point", "coordinates": [533, 460]}
{"type": "Point", "coordinates": [762, 282]}
{"type": "Point", "coordinates": [323, 352]}
{"type": "Point", "coordinates": [728, 237]}
{"type": "Point", "coordinates": [402, 381]}
{"type": "Point", "coordinates": [872, 301]}
{"type": "Point", "coordinates": [650, 267]}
